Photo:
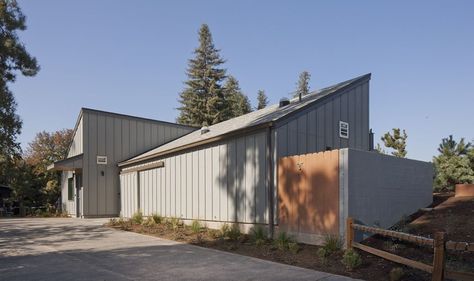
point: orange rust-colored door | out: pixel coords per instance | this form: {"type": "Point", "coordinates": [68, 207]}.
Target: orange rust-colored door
{"type": "Point", "coordinates": [308, 193]}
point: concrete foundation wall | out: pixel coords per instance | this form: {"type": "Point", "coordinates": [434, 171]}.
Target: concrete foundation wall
{"type": "Point", "coordinates": [381, 189]}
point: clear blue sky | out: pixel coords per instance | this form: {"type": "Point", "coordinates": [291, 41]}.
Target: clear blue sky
{"type": "Point", "coordinates": [130, 57]}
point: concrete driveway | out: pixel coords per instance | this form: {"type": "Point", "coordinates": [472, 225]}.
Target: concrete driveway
{"type": "Point", "coordinates": [79, 249]}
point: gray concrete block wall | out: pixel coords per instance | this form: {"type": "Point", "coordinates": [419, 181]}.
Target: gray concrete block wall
{"type": "Point", "coordinates": [382, 188]}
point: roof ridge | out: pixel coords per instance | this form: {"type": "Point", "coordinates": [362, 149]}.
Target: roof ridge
{"type": "Point", "coordinates": [249, 121]}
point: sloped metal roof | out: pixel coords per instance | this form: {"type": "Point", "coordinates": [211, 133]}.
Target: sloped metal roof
{"type": "Point", "coordinates": [248, 121]}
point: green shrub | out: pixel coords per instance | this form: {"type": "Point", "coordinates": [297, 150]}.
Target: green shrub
{"type": "Point", "coordinates": [396, 274]}
{"type": "Point", "coordinates": [157, 218]}
{"type": "Point", "coordinates": [137, 217]}
{"type": "Point", "coordinates": [351, 259]}
{"type": "Point", "coordinates": [332, 244]}
{"type": "Point", "coordinates": [196, 226]}
{"type": "Point", "coordinates": [282, 240]}
{"type": "Point", "coordinates": [293, 247]}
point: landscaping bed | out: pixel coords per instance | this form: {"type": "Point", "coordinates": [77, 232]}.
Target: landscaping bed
{"type": "Point", "coordinates": [453, 215]}
{"type": "Point", "coordinates": [282, 249]}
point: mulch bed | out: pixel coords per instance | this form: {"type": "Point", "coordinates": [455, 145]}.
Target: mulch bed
{"type": "Point", "coordinates": [453, 215]}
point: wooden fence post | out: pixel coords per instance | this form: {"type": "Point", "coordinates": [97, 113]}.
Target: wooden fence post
{"type": "Point", "coordinates": [439, 256]}
{"type": "Point", "coordinates": [349, 232]}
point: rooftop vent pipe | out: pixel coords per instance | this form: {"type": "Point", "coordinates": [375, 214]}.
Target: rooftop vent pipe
{"type": "Point", "coordinates": [204, 130]}
{"type": "Point", "coordinates": [284, 102]}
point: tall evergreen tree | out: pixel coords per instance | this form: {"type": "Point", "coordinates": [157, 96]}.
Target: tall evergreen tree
{"type": "Point", "coordinates": [239, 102]}
{"type": "Point", "coordinates": [203, 100]}
{"type": "Point", "coordinates": [303, 84]}
{"type": "Point", "coordinates": [397, 141]}
{"type": "Point", "coordinates": [261, 99]}
{"type": "Point", "coordinates": [13, 58]}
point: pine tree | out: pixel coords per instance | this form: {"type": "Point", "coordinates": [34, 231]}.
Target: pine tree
{"type": "Point", "coordinates": [239, 102]}
{"type": "Point", "coordinates": [261, 99]}
{"type": "Point", "coordinates": [396, 141]}
{"type": "Point", "coordinates": [303, 84]}
{"type": "Point", "coordinates": [450, 147]}
{"type": "Point", "coordinates": [203, 100]}
{"type": "Point", "coordinates": [13, 58]}
{"type": "Point", "coordinates": [454, 164]}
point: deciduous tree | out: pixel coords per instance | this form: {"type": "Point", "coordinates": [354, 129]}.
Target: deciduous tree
{"type": "Point", "coordinates": [45, 149]}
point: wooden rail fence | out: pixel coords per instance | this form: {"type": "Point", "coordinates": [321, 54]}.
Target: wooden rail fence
{"type": "Point", "coordinates": [439, 244]}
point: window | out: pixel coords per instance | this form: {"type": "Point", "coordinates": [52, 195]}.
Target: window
{"type": "Point", "coordinates": [343, 129]}
{"type": "Point", "coordinates": [70, 189]}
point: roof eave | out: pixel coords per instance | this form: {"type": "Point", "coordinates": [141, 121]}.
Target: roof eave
{"type": "Point", "coordinates": [196, 144]}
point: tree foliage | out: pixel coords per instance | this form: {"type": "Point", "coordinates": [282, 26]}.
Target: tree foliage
{"type": "Point", "coordinates": [261, 99]}
{"type": "Point", "coordinates": [203, 100]}
{"type": "Point", "coordinates": [13, 58]}
{"type": "Point", "coordinates": [303, 84]}
{"type": "Point", "coordinates": [44, 150]}
{"type": "Point", "coordinates": [397, 141]}
{"type": "Point", "coordinates": [239, 102]}
{"type": "Point", "coordinates": [450, 147]}
{"type": "Point", "coordinates": [454, 164]}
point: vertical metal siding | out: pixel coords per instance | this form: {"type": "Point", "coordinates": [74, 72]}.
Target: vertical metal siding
{"type": "Point", "coordinates": [76, 148]}
{"type": "Point", "coordinates": [119, 138]}
{"type": "Point", "coordinates": [317, 127]}
{"type": "Point", "coordinates": [218, 182]}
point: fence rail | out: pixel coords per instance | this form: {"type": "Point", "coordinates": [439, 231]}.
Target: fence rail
{"type": "Point", "coordinates": [439, 244]}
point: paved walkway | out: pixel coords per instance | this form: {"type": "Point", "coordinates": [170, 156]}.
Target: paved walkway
{"type": "Point", "coordinates": [79, 249]}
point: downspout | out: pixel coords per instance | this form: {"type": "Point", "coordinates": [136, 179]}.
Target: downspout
{"type": "Point", "coordinates": [270, 182]}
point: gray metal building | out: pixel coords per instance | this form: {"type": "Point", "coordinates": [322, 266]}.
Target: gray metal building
{"type": "Point", "coordinates": [227, 172]}
{"type": "Point", "coordinates": [90, 180]}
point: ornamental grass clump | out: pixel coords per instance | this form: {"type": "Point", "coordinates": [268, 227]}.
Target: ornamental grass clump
{"type": "Point", "coordinates": [259, 235]}
{"type": "Point", "coordinates": [137, 217]}
{"type": "Point", "coordinates": [282, 241]}
{"type": "Point", "coordinates": [149, 222]}
{"type": "Point", "coordinates": [332, 244]}
{"type": "Point", "coordinates": [196, 227]}
{"type": "Point", "coordinates": [157, 218]}
{"type": "Point", "coordinates": [174, 223]}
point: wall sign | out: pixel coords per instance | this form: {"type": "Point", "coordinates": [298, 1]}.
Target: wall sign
{"type": "Point", "coordinates": [101, 160]}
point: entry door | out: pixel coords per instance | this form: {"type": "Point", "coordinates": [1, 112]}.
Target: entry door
{"type": "Point", "coordinates": [78, 194]}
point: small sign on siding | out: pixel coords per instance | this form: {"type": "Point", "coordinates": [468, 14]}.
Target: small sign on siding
{"type": "Point", "coordinates": [101, 160]}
